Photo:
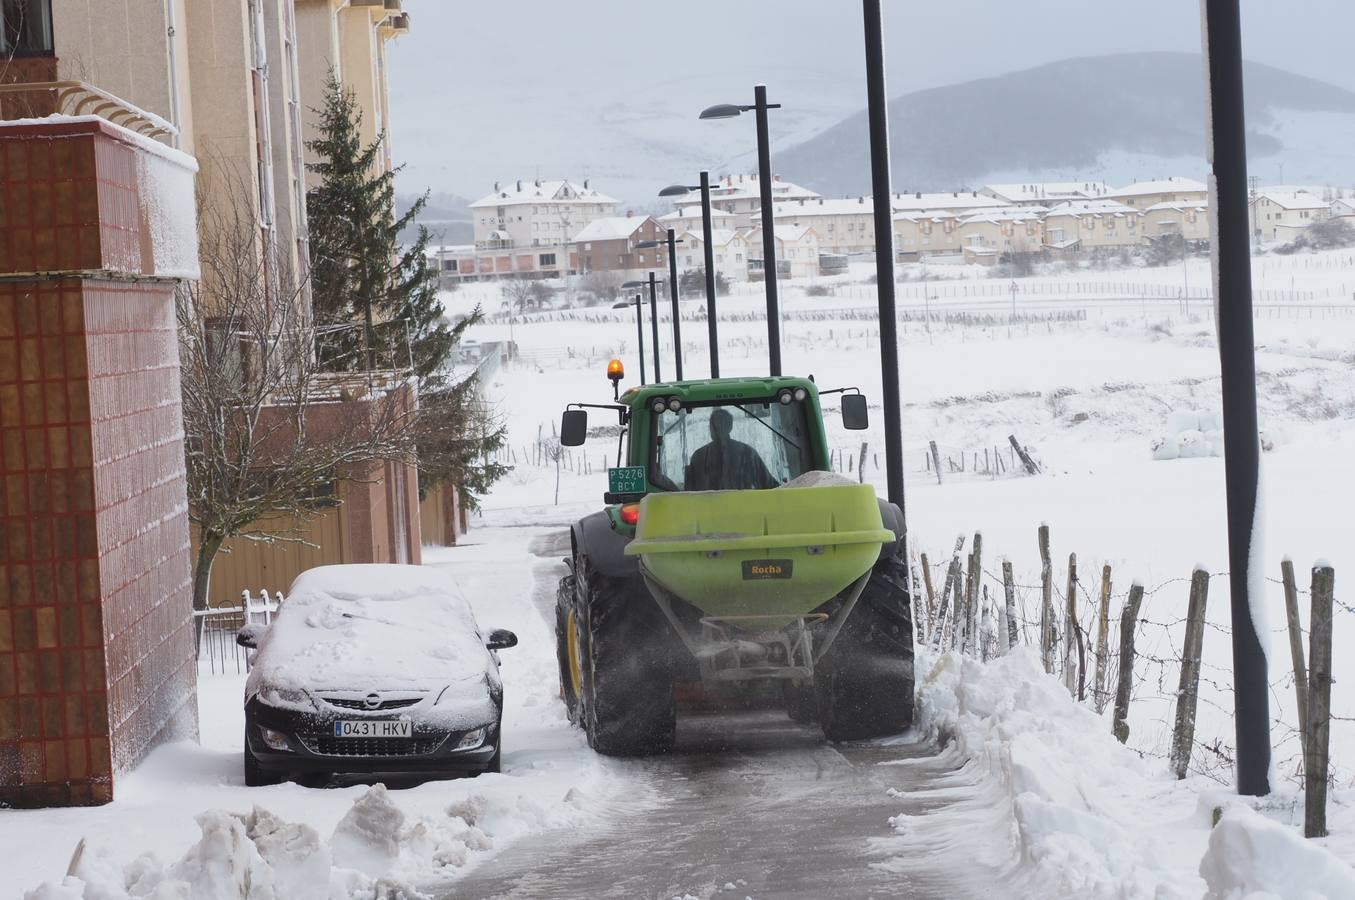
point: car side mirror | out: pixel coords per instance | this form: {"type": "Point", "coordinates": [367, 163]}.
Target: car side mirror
{"type": "Point", "coordinates": [501, 639]}
{"type": "Point", "coordinates": [248, 636]}
{"type": "Point", "coordinates": [573, 427]}
{"type": "Point", "coordinates": [854, 414]}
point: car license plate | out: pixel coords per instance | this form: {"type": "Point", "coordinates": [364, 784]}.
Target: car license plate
{"type": "Point", "coordinates": [374, 728]}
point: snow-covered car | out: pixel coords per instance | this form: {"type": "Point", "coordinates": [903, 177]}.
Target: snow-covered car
{"type": "Point", "coordinates": [372, 668]}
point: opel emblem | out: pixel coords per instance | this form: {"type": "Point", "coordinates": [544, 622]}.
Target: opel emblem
{"type": "Point", "coordinates": [372, 700]}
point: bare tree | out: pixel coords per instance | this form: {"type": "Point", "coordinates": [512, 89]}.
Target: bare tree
{"type": "Point", "coordinates": [267, 434]}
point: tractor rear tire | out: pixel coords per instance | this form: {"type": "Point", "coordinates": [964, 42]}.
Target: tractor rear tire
{"type": "Point", "coordinates": [564, 604]}
{"type": "Point", "coordinates": [627, 708]}
{"type": "Point", "coordinates": [801, 702]}
{"type": "Point", "coordinates": [864, 682]}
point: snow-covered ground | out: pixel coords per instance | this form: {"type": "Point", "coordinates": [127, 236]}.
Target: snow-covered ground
{"type": "Point", "coordinates": [1088, 394]}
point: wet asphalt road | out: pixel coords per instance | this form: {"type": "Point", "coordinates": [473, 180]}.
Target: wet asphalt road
{"type": "Point", "coordinates": [753, 801]}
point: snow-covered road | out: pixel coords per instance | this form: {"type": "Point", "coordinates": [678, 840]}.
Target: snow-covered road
{"type": "Point", "coordinates": [752, 804]}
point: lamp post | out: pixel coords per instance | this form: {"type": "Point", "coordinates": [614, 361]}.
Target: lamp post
{"type": "Point", "coordinates": [1227, 130]}
{"type": "Point", "coordinates": [764, 166]}
{"type": "Point", "coordinates": [672, 242]}
{"type": "Point", "coordinates": [640, 337]}
{"type": "Point", "coordinates": [678, 190]}
{"type": "Point", "coordinates": [653, 316]}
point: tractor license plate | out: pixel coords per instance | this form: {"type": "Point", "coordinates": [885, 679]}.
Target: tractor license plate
{"type": "Point", "coordinates": [758, 569]}
{"type": "Point", "coordinates": [373, 729]}
{"type": "Point", "coordinates": [626, 480]}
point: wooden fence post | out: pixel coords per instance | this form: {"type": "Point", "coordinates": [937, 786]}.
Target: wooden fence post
{"type": "Point", "coordinates": [861, 462]}
{"type": "Point", "coordinates": [952, 574]}
{"type": "Point", "coordinates": [1128, 620]}
{"type": "Point", "coordinates": [921, 614]}
{"type": "Point", "coordinates": [1009, 589]}
{"type": "Point", "coordinates": [1103, 640]}
{"type": "Point", "coordinates": [936, 460]}
{"type": "Point", "coordinates": [931, 593]}
{"type": "Point", "coordinates": [1291, 610]}
{"type": "Point", "coordinates": [972, 580]}
{"type": "Point", "coordinates": [1026, 461]}
{"type": "Point", "coordinates": [1319, 704]}
{"type": "Point", "coordinates": [1187, 695]}
{"type": "Point", "coordinates": [1047, 637]}
{"type": "Point", "coordinates": [1074, 657]}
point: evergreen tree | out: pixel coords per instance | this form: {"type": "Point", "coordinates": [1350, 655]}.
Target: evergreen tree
{"type": "Point", "coordinates": [376, 303]}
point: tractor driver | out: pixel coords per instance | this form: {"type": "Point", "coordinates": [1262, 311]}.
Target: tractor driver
{"type": "Point", "coordinates": [726, 464]}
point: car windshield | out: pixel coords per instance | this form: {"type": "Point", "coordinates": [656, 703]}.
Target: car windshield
{"type": "Point", "coordinates": [730, 446]}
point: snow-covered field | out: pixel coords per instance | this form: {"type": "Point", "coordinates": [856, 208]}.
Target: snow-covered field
{"type": "Point", "coordinates": [1088, 395]}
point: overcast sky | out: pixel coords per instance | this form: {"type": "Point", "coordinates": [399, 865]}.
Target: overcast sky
{"type": "Point", "coordinates": [484, 91]}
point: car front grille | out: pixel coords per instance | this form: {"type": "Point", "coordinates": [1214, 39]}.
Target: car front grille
{"type": "Point", "coordinates": [345, 703]}
{"type": "Point", "coordinates": [326, 745]}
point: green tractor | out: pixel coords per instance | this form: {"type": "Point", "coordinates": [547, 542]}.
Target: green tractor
{"type": "Point", "coordinates": [728, 557]}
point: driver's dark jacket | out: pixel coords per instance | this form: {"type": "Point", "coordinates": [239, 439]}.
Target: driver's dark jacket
{"type": "Point", "coordinates": [727, 466]}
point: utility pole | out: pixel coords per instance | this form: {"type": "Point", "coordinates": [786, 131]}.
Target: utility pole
{"type": "Point", "coordinates": [882, 197]}
{"type": "Point", "coordinates": [1237, 354]}
{"type": "Point", "coordinates": [764, 165]}
{"type": "Point", "coordinates": [712, 324]}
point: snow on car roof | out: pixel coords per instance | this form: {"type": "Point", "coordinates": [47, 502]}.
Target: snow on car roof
{"type": "Point", "coordinates": [371, 626]}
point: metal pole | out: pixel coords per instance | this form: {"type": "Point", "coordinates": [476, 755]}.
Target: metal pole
{"type": "Point", "coordinates": [764, 168]}
{"type": "Point", "coordinates": [712, 326]}
{"type": "Point", "coordinates": [1242, 452]}
{"type": "Point", "coordinates": [654, 324]}
{"type": "Point", "coordinates": [884, 248]}
{"type": "Point", "coordinates": [640, 336]}
{"type": "Point", "coordinates": [673, 290]}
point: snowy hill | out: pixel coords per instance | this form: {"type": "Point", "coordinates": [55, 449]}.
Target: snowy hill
{"type": "Point", "coordinates": [1110, 118]}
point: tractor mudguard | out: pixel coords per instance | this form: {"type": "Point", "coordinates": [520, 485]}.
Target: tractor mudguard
{"type": "Point", "coordinates": [595, 538]}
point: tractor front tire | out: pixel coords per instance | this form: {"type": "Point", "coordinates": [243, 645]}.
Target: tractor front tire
{"type": "Point", "coordinates": [627, 704]}
{"type": "Point", "coordinates": [864, 683]}
{"type": "Point", "coordinates": [564, 635]}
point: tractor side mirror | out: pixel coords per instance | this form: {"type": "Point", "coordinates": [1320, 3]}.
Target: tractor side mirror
{"type": "Point", "coordinates": [501, 639]}
{"type": "Point", "coordinates": [573, 427]}
{"type": "Point", "coordinates": [854, 414]}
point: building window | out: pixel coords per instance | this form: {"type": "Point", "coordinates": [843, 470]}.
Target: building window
{"type": "Point", "coordinates": [27, 27]}
{"type": "Point", "coordinates": [449, 265]}
{"type": "Point", "coordinates": [547, 259]}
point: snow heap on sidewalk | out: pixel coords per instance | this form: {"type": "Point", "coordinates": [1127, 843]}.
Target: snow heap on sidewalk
{"type": "Point", "coordinates": [375, 853]}
{"type": "Point", "coordinates": [1093, 819]}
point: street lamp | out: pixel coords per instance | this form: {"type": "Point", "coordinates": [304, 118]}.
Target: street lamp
{"type": "Point", "coordinates": [639, 331]}
{"type": "Point", "coordinates": [653, 316]}
{"type": "Point", "coordinates": [673, 241]}
{"type": "Point", "coordinates": [764, 166]}
{"type": "Point", "coordinates": [679, 190]}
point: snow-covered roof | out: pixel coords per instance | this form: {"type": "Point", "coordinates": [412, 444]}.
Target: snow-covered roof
{"type": "Point", "coordinates": [1291, 199]}
{"type": "Point", "coordinates": [610, 228]}
{"type": "Point", "coordinates": [1163, 186]}
{"type": "Point", "coordinates": [509, 193]}
{"type": "Point", "coordinates": [1046, 191]}
{"type": "Point", "coordinates": [942, 202]}
{"type": "Point", "coordinates": [691, 215]}
{"type": "Point", "coordinates": [846, 206]}
{"type": "Point", "coordinates": [1091, 208]}
{"type": "Point", "coordinates": [793, 233]}
{"type": "Point", "coordinates": [1014, 214]}
{"type": "Point", "coordinates": [719, 237]}
{"type": "Point", "coordinates": [1178, 205]}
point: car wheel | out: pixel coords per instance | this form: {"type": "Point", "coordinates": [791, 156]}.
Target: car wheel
{"type": "Point", "coordinates": [255, 774]}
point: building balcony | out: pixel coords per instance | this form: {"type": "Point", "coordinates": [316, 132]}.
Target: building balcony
{"type": "Point", "coordinates": [38, 99]}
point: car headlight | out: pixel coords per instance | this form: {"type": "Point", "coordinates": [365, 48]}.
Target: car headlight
{"type": "Point", "coordinates": [285, 697]}
{"type": "Point", "coordinates": [472, 739]}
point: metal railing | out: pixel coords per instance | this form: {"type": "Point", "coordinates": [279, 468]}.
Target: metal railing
{"type": "Point", "coordinates": [214, 630]}
{"type": "Point", "coordinates": [77, 98]}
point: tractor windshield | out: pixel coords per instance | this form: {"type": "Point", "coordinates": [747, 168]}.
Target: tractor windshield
{"type": "Point", "coordinates": [730, 446]}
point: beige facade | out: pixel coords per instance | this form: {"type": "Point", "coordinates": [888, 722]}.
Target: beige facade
{"type": "Point", "coordinates": [797, 251]}
{"type": "Point", "coordinates": [742, 195]}
{"type": "Point", "coordinates": [688, 218]}
{"type": "Point", "coordinates": [1092, 225]}
{"type": "Point", "coordinates": [920, 236]}
{"type": "Point", "coordinates": [731, 251]}
{"type": "Point", "coordinates": [1279, 215]}
{"type": "Point", "coordinates": [987, 237]}
{"type": "Point", "coordinates": [1191, 220]}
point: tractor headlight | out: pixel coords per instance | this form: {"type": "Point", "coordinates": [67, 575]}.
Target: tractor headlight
{"type": "Point", "coordinates": [657, 405]}
{"type": "Point", "coordinates": [801, 393]}
{"type": "Point", "coordinates": [674, 404]}
{"type": "Point", "coordinates": [785, 396]}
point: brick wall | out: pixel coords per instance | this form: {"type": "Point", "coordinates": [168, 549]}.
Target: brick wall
{"type": "Point", "coordinates": [96, 650]}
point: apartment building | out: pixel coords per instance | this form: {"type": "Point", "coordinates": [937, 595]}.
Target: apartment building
{"type": "Point", "coordinates": [1279, 214]}
{"type": "Point", "coordinates": [843, 226]}
{"type": "Point", "coordinates": [730, 249]}
{"type": "Point", "coordinates": [921, 237]}
{"type": "Point", "coordinates": [922, 203]}
{"type": "Point", "coordinates": [986, 237]}
{"type": "Point", "coordinates": [536, 213]}
{"type": "Point", "coordinates": [1343, 207]}
{"type": "Point", "coordinates": [608, 245]}
{"type": "Point", "coordinates": [688, 218]}
{"type": "Point", "coordinates": [1143, 194]}
{"type": "Point", "coordinates": [797, 252]}
{"type": "Point", "coordinates": [1092, 225]}
{"type": "Point", "coordinates": [1190, 219]}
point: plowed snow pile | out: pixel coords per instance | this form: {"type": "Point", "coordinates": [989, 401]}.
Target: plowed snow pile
{"type": "Point", "coordinates": [1089, 817]}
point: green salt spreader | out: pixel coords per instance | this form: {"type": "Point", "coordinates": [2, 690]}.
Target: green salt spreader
{"type": "Point", "coordinates": [728, 554]}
